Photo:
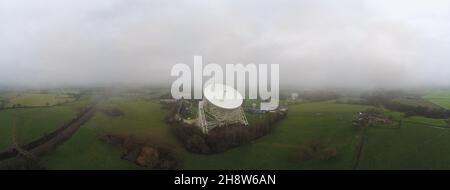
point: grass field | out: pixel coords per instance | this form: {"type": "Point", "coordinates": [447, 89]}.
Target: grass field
{"type": "Point", "coordinates": [420, 143]}
{"type": "Point", "coordinates": [439, 97]}
{"type": "Point", "coordinates": [7, 122]}
{"type": "Point", "coordinates": [85, 151]}
{"type": "Point", "coordinates": [325, 122]}
{"type": "Point", "coordinates": [143, 119]}
{"type": "Point", "coordinates": [416, 102]}
{"type": "Point", "coordinates": [28, 124]}
{"type": "Point", "coordinates": [33, 100]}
{"type": "Point", "coordinates": [328, 122]}
{"type": "Point", "coordinates": [414, 146]}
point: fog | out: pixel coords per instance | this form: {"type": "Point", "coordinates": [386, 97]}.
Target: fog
{"type": "Point", "coordinates": [318, 43]}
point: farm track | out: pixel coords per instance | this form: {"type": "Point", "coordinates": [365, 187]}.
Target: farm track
{"type": "Point", "coordinates": [360, 148]}
{"type": "Point", "coordinates": [65, 134]}
{"type": "Point", "coordinates": [50, 142]}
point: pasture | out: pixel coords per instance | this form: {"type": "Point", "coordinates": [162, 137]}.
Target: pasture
{"type": "Point", "coordinates": [420, 143]}
{"type": "Point", "coordinates": [325, 123]}
{"type": "Point", "coordinates": [416, 102]}
{"type": "Point", "coordinates": [416, 145]}
{"type": "Point", "coordinates": [142, 119]}
{"type": "Point", "coordinates": [37, 100]}
{"type": "Point", "coordinates": [27, 124]}
{"type": "Point", "coordinates": [439, 97]}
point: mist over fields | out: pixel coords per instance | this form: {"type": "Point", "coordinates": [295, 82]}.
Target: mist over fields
{"type": "Point", "coordinates": [349, 43]}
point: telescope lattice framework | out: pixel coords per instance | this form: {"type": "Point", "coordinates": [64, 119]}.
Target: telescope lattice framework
{"type": "Point", "coordinates": [221, 106]}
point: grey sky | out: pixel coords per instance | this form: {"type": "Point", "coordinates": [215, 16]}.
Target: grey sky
{"type": "Point", "coordinates": [317, 43]}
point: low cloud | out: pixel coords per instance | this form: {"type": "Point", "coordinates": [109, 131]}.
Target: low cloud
{"type": "Point", "coordinates": [348, 43]}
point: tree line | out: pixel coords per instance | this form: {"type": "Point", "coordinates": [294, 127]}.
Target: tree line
{"type": "Point", "coordinates": [409, 110]}
{"type": "Point", "coordinates": [223, 138]}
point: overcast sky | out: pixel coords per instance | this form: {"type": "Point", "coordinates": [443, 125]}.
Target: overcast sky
{"type": "Point", "coordinates": [320, 43]}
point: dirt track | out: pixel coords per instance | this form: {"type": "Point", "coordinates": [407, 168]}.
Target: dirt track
{"type": "Point", "coordinates": [49, 142]}
{"type": "Point", "coordinates": [359, 148]}
{"type": "Point", "coordinates": [65, 134]}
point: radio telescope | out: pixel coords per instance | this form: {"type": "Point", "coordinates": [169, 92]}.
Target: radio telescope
{"type": "Point", "coordinates": [221, 106]}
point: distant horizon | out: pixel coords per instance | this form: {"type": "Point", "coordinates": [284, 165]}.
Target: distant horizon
{"type": "Point", "coordinates": [283, 87]}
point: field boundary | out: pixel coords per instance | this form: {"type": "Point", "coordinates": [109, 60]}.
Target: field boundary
{"type": "Point", "coordinates": [30, 107]}
{"type": "Point", "coordinates": [58, 136]}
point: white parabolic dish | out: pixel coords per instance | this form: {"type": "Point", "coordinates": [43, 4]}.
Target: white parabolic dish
{"type": "Point", "coordinates": [223, 96]}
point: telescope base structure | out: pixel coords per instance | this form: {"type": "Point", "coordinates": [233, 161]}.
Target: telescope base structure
{"type": "Point", "coordinates": [210, 116]}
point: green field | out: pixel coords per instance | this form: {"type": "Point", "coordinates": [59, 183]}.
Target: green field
{"type": "Point", "coordinates": [439, 97]}
{"type": "Point", "coordinates": [325, 122]}
{"type": "Point", "coordinates": [414, 146]}
{"type": "Point", "coordinates": [143, 119]}
{"type": "Point", "coordinates": [27, 124]}
{"type": "Point", "coordinates": [420, 143]}
{"type": "Point", "coordinates": [7, 122]}
{"type": "Point", "coordinates": [35, 100]}
{"type": "Point", "coordinates": [85, 151]}
{"type": "Point", "coordinates": [275, 151]}
{"type": "Point", "coordinates": [30, 124]}
{"type": "Point", "coordinates": [416, 102]}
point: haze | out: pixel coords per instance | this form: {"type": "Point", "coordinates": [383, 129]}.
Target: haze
{"type": "Point", "coordinates": [326, 43]}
